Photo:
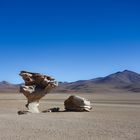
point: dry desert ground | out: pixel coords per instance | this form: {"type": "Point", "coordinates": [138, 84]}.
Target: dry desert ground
{"type": "Point", "coordinates": [113, 117]}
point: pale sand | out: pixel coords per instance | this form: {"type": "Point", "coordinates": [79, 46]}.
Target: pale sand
{"type": "Point", "coordinates": [113, 117]}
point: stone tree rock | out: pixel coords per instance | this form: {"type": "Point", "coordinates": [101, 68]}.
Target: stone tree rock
{"type": "Point", "coordinates": [36, 86]}
{"type": "Point", "coordinates": [76, 103]}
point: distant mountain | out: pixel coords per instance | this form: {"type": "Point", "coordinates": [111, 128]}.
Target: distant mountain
{"type": "Point", "coordinates": [125, 81]}
{"type": "Point", "coordinates": [117, 82]}
{"type": "Point", "coordinates": [6, 87]}
{"type": "Point", "coordinates": [122, 78]}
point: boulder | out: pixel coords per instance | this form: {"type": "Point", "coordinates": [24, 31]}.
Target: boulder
{"type": "Point", "coordinates": [76, 103]}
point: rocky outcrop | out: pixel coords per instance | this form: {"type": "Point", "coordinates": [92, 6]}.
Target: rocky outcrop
{"type": "Point", "coordinates": [76, 103]}
{"type": "Point", "coordinates": [36, 86]}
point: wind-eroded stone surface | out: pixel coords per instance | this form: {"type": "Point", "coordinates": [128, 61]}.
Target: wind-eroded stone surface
{"type": "Point", "coordinates": [77, 103]}
{"type": "Point", "coordinates": [36, 86]}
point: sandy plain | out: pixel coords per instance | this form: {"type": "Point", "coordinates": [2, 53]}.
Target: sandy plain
{"type": "Point", "coordinates": [113, 117]}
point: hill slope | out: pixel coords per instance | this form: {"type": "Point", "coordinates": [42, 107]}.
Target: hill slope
{"type": "Point", "coordinates": [118, 82]}
{"type": "Point", "coordinates": [6, 87]}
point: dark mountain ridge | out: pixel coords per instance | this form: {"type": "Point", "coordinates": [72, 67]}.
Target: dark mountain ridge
{"type": "Point", "coordinates": [125, 77]}
{"type": "Point", "coordinates": [125, 81]}
{"type": "Point", "coordinates": [6, 87]}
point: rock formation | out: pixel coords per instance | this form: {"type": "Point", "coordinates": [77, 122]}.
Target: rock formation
{"type": "Point", "coordinates": [36, 86]}
{"type": "Point", "coordinates": [76, 103]}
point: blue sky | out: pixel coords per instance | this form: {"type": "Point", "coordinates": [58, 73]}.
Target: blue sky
{"type": "Point", "coordinates": [70, 40]}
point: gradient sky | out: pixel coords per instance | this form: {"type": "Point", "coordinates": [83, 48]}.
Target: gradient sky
{"type": "Point", "coordinates": [69, 39]}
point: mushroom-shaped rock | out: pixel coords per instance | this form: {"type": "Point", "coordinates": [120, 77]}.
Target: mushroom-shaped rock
{"type": "Point", "coordinates": [36, 86]}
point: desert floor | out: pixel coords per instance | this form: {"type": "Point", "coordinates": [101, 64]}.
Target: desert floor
{"type": "Point", "coordinates": [113, 117]}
